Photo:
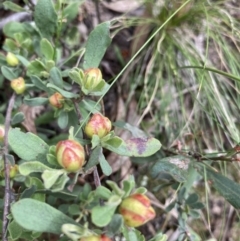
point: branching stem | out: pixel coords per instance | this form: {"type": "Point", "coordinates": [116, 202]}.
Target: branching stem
{"type": "Point", "coordinates": [7, 197]}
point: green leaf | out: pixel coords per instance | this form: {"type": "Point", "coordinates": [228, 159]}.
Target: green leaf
{"type": "Point", "coordinates": [96, 46]}
{"type": "Point", "coordinates": [102, 215]}
{"type": "Point", "coordinates": [115, 224]}
{"type": "Point", "coordinates": [94, 158]}
{"type": "Point", "coordinates": [33, 166]}
{"type": "Point", "coordinates": [27, 146]}
{"type": "Point", "coordinates": [13, 7]}
{"type": "Point", "coordinates": [176, 166]}
{"type": "Point", "coordinates": [64, 93]}
{"type": "Point", "coordinates": [13, 27]}
{"type": "Point", "coordinates": [10, 45]}
{"type": "Point", "coordinates": [106, 168]}
{"type": "Point", "coordinates": [15, 230]}
{"type": "Point", "coordinates": [138, 147]}
{"type": "Point", "coordinates": [132, 234]}
{"type": "Point", "coordinates": [60, 183]}
{"type": "Point", "coordinates": [17, 118]}
{"type": "Point", "coordinates": [128, 186]}
{"type": "Point", "coordinates": [23, 60]}
{"type": "Point", "coordinates": [50, 177]}
{"type": "Point", "coordinates": [196, 205]}
{"type": "Point", "coordinates": [229, 189]}
{"type": "Point", "coordinates": [74, 232]}
{"type": "Point", "coordinates": [38, 83]}
{"type": "Point", "coordinates": [103, 192]}
{"type": "Point", "coordinates": [56, 77]}
{"type": "Point", "coordinates": [8, 73]}
{"type": "Point", "coordinates": [35, 101]}
{"type": "Point", "coordinates": [39, 217]}
{"type": "Point", "coordinates": [35, 67]}
{"type": "Point", "coordinates": [63, 119]}
{"type": "Point", "coordinates": [193, 198]}
{"type": "Point", "coordinates": [45, 18]}
{"type": "Point", "coordinates": [75, 76]}
{"type": "Point", "coordinates": [47, 49]}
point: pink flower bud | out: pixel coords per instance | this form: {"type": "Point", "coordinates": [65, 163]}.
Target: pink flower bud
{"type": "Point", "coordinates": [96, 238]}
{"type": "Point", "coordinates": [98, 125]}
{"type": "Point", "coordinates": [92, 78]}
{"type": "Point", "coordinates": [56, 100]}
{"type": "Point", "coordinates": [12, 59]}
{"type": "Point", "coordinates": [18, 85]}
{"type": "Point", "coordinates": [136, 210]}
{"type": "Point", "coordinates": [70, 155]}
{"type": "Point", "coordinates": [2, 133]}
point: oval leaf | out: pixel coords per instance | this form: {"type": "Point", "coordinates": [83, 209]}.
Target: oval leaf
{"type": "Point", "coordinates": [97, 44]}
{"type": "Point", "coordinates": [8, 73]}
{"type": "Point", "coordinates": [17, 118]}
{"type": "Point", "coordinates": [39, 217]}
{"type": "Point", "coordinates": [45, 18]}
{"type": "Point", "coordinates": [27, 145]}
{"type": "Point", "coordinates": [47, 49]}
{"type": "Point", "coordinates": [56, 77]}
{"type": "Point", "coordinates": [35, 101]}
{"type": "Point", "coordinates": [30, 167]}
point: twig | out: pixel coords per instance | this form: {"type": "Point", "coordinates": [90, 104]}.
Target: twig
{"type": "Point", "coordinates": [7, 198]}
{"type": "Point", "coordinates": [98, 12]}
{"type": "Point", "coordinates": [96, 177]}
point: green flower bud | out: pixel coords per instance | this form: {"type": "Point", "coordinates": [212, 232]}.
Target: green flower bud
{"type": "Point", "coordinates": [18, 85]}
{"type": "Point", "coordinates": [56, 100]}
{"type": "Point", "coordinates": [2, 133]}
{"type": "Point", "coordinates": [96, 238]}
{"type": "Point", "coordinates": [12, 172]}
{"type": "Point", "coordinates": [70, 155]}
{"type": "Point", "coordinates": [136, 210]}
{"type": "Point", "coordinates": [98, 125]}
{"type": "Point", "coordinates": [12, 59]}
{"type": "Point", "coordinates": [92, 78]}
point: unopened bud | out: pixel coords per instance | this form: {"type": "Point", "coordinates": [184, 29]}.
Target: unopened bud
{"type": "Point", "coordinates": [12, 59]}
{"type": "Point", "coordinates": [92, 78]}
{"type": "Point", "coordinates": [13, 171]}
{"type": "Point", "coordinates": [18, 85]}
{"type": "Point", "coordinates": [136, 210]}
{"type": "Point", "coordinates": [70, 155]}
{"type": "Point", "coordinates": [96, 238]}
{"type": "Point", "coordinates": [2, 133]}
{"type": "Point", "coordinates": [56, 100]}
{"type": "Point", "coordinates": [98, 125]}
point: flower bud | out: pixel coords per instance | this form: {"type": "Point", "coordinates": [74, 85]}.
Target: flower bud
{"type": "Point", "coordinates": [12, 59]}
{"type": "Point", "coordinates": [2, 133]}
{"type": "Point", "coordinates": [98, 125]}
{"type": "Point", "coordinates": [136, 210]}
{"type": "Point", "coordinates": [96, 238]}
{"type": "Point", "coordinates": [92, 78]}
{"type": "Point", "coordinates": [70, 155]}
{"type": "Point", "coordinates": [18, 85]}
{"type": "Point", "coordinates": [13, 171]}
{"type": "Point", "coordinates": [56, 100]}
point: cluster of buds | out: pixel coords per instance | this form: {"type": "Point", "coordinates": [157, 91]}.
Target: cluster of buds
{"type": "Point", "coordinates": [98, 125]}
{"type": "Point", "coordinates": [18, 85]}
{"type": "Point", "coordinates": [96, 238]}
{"type": "Point", "coordinates": [56, 100]}
{"type": "Point", "coordinates": [12, 59]}
{"type": "Point", "coordinates": [70, 155]}
{"type": "Point", "coordinates": [92, 77]}
{"type": "Point", "coordinates": [136, 210]}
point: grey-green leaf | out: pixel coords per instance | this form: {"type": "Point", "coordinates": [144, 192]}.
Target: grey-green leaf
{"type": "Point", "coordinates": [8, 73]}
{"type": "Point", "coordinates": [17, 118]}
{"type": "Point", "coordinates": [27, 145]}
{"type": "Point", "coordinates": [64, 93]}
{"type": "Point", "coordinates": [13, 7]}
{"type": "Point", "coordinates": [97, 44]}
{"type": "Point", "coordinates": [38, 216]}
{"type": "Point", "coordinates": [46, 18]}
{"type": "Point", "coordinates": [35, 101]}
{"type": "Point", "coordinates": [106, 168]}
{"type": "Point", "coordinates": [56, 77]}
{"type": "Point", "coordinates": [229, 189]}
{"type": "Point", "coordinates": [33, 166]}
{"type": "Point", "coordinates": [47, 49]}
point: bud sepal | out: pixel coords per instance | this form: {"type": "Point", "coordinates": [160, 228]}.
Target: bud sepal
{"type": "Point", "coordinates": [136, 210]}
{"type": "Point", "coordinates": [70, 155]}
{"type": "Point", "coordinates": [98, 125]}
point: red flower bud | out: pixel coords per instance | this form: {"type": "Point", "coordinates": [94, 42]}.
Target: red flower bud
{"type": "Point", "coordinates": [12, 59]}
{"type": "Point", "coordinates": [96, 238]}
{"type": "Point", "coordinates": [136, 210]}
{"type": "Point", "coordinates": [56, 100]}
{"type": "Point", "coordinates": [18, 85]}
{"type": "Point", "coordinates": [92, 78]}
{"type": "Point", "coordinates": [98, 125]}
{"type": "Point", "coordinates": [70, 155]}
{"type": "Point", "coordinates": [2, 133]}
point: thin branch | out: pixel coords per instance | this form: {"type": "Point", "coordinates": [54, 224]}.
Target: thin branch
{"type": "Point", "coordinates": [7, 197]}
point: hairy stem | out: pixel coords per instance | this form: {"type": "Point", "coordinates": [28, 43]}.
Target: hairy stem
{"type": "Point", "coordinates": [7, 197]}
